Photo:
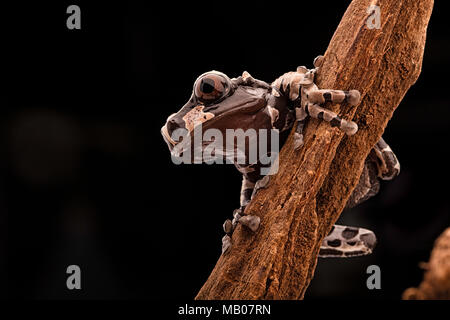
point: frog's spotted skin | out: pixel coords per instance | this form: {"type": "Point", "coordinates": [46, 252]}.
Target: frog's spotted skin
{"type": "Point", "coordinates": [388, 165]}
{"type": "Point", "coordinates": [380, 164]}
{"type": "Point", "coordinates": [345, 241]}
{"type": "Point", "coordinates": [246, 191]}
{"type": "Point", "coordinates": [196, 116]}
{"type": "Point", "coordinates": [246, 103]}
{"type": "Point", "coordinates": [300, 84]}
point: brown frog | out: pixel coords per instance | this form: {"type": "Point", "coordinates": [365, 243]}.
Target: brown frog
{"type": "Point", "coordinates": [248, 104]}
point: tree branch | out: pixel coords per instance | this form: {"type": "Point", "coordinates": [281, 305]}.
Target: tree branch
{"type": "Point", "coordinates": [436, 279]}
{"type": "Point", "coordinates": [307, 195]}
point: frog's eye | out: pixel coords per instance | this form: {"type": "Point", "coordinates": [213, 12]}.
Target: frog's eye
{"type": "Point", "coordinates": [211, 87]}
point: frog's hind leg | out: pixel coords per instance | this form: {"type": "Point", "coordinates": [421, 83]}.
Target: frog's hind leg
{"type": "Point", "coordinates": [380, 164]}
{"type": "Point", "coordinates": [343, 241]}
{"type": "Point", "coordinates": [387, 163]}
{"type": "Point", "coordinates": [368, 184]}
{"type": "Point", "coordinates": [250, 221]}
{"type": "Point", "coordinates": [317, 112]}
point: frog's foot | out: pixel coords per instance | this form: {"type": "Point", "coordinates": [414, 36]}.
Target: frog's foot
{"type": "Point", "coordinates": [298, 140]}
{"type": "Point", "coordinates": [226, 243]}
{"type": "Point", "coordinates": [248, 190]}
{"type": "Point", "coordinates": [313, 97]}
{"type": "Point", "coordinates": [381, 163]}
{"type": "Point", "coordinates": [289, 84]}
{"type": "Point", "coordinates": [260, 184]}
{"type": "Point", "coordinates": [368, 184]}
{"type": "Point", "coordinates": [228, 228]}
{"type": "Point", "coordinates": [343, 241]}
{"type": "Point", "coordinates": [318, 61]}
{"type": "Point", "coordinates": [387, 163]}
{"type": "Point", "coordinates": [250, 221]}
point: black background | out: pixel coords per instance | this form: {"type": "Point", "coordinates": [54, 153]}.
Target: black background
{"type": "Point", "coordinates": [86, 179]}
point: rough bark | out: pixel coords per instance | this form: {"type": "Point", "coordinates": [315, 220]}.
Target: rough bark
{"type": "Point", "coordinates": [436, 280]}
{"type": "Point", "coordinates": [305, 198]}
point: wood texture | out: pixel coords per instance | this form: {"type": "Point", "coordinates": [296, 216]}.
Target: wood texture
{"type": "Point", "coordinates": [305, 198]}
{"type": "Point", "coordinates": [436, 279]}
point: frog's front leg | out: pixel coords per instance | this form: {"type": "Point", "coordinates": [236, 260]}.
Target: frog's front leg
{"type": "Point", "coordinates": [320, 96]}
{"type": "Point", "coordinates": [300, 88]}
{"type": "Point", "coordinates": [300, 116]}
{"type": "Point", "coordinates": [250, 221]}
{"type": "Point", "coordinates": [317, 112]}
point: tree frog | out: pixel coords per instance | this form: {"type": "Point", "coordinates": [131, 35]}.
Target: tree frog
{"type": "Point", "coordinates": [220, 103]}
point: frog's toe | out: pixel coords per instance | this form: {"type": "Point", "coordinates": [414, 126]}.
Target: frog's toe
{"type": "Point", "coordinates": [302, 69]}
{"type": "Point", "coordinates": [228, 226]}
{"type": "Point", "coordinates": [251, 222]}
{"type": "Point", "coordinates": [353, 97]}
{"type": "Point", "coordinates": [246, 76]}
{"type": "Point", "coordinates": [261, 184]}
{"type": "Point", "coordinates": [237, 214]}
{"type": "Point", "coordinates": [226, 243]}
{"type": "Point", "coordinates": [318, 61]}
{"type": "Point", "coordinates": [349, 127]}
{"type": "Point", "coordinates": [298, 141]}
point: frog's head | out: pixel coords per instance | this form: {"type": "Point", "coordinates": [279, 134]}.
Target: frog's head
{"type": "Point", "coordinates": [221, 103]}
